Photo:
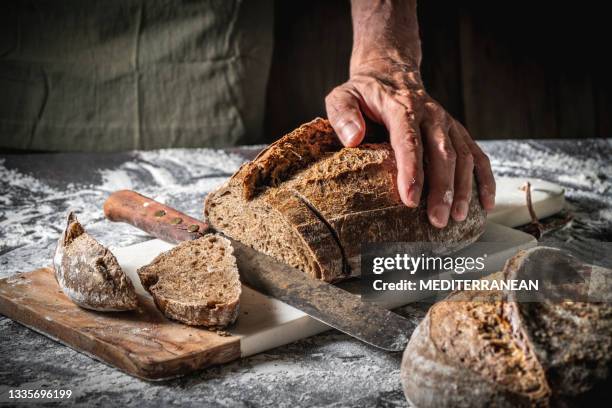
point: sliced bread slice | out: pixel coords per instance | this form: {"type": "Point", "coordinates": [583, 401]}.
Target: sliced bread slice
{"type": "Point", "coordinates": [196, 282]}
{"type": "Point", "coordinates": [89, 274]}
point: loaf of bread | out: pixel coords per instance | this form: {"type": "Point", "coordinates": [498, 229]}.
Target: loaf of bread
{"type": "Point", "coordinates": [89, 274]}
{"type": "Point", "coordinates": [478, 349]}
{"type": "Point", "coordinates": [309, 202]}
{"type": "Point", "coordinates": [196, 282]}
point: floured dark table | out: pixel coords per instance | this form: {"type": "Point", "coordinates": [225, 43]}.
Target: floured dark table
{"type": "Point", "coordinates": [38, 189]}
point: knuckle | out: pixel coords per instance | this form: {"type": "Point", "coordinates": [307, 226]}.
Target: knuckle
{"type": "Point", "coordinates": [463, 191]}
{"type": "Point", "coordinates": [465, 156]}
{"type": "Point", "coordinates": [463, 130]}
{"type": "Point", "coordinates": [480, 158]}
{"type": "Point", "coordinates": [443, 193]}
{"type": "Point", "coordinates": [401, 106]}
{"type": "Point", "coordinates": [409, 143]}
{"type": "Point", "coordinates": [463, 195]}
{"type": "Point", "coordinates": [331, 100]}
{"type": "Point", "coordinates": [438, 118]}
{"type": "Point", "coordinates": [409, 117]}
{"type": "Point", "coordinates": [445, 120]}
{"type": "Point", "coordinates": [447, 153]}
{"type": "Point", "coordinates": [340, 100]}
{"type": "Point", "coordinates": [437, 112]}
{"type": "Point", "coordinates": [408, 112]}
{"type": "Point", "coordinates": [432, 107]}
{"type": "Point", "coordinates": [483, 160]}
{"type": "Point", "coordinates": [404, 98]}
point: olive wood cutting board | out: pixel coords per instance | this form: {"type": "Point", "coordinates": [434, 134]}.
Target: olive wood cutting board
{"type": "Point", "coordinates": [142, 343]}
{"type": "Point", "coordinates": [145, 344]}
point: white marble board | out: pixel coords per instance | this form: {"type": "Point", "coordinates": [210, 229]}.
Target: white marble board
{"type": "Point", "coordinates": [265, 323]}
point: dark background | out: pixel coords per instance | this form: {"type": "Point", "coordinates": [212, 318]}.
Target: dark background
{"type": "Point", "coordinates": [505, 69]}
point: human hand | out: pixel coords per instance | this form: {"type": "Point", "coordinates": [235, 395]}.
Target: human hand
{"type": "Point", "coordinates": [426, 140]}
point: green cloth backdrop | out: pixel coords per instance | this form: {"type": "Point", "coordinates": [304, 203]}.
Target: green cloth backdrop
{"type": "Point", "coordinates": [107, 75]}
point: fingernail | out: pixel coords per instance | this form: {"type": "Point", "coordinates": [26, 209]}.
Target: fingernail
{"type": "Point", "coordinates": [439, 216]}
{"type": "Point", "coordinates": [413, 195]}
{"type": "Point", "coordinates": [487, 198]}
{"type": "Point", "coordinates": [460, 210]}
{"type": "Point", "coordinates": [490, 202]}
{"type": "Point", "coordinates": [349, 132]}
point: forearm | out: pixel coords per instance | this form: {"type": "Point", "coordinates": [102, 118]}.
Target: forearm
{"type": "Point", "coordinates": [385, 31]}
{"type": "Point", "coordinates": [385, 85]}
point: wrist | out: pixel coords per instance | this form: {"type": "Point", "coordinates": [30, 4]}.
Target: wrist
{"type": "Point", "coordinates": [383, 61]}
{"type": "Point", "coordinates": [385, 33]}
{"type": "Point", "coordinates": [390, 68]}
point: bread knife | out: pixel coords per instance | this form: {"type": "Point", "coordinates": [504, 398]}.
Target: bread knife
{"type": "Point", "coordinates": [322, 301]}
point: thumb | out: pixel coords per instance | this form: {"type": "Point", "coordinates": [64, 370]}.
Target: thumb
{"type": "Point", "coordinates": [344, 114]}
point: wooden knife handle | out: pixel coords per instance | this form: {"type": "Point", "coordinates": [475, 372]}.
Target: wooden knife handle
{"type": "Point", "coordinates": [154, 218]}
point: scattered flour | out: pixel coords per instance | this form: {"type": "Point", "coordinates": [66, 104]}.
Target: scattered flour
{"type": "Point", "coordinates": [581, 168]}
{"type": "Point", "coordinates": [33, 211]}
{"type": "Point", "coordinates": [113, 180]}
{"type": "Point", "coordinates": [355, 374]}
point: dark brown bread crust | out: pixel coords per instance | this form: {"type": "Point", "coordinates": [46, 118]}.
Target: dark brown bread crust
{"type": "Point", "coordinates": [432, 378]}
{"type": "Point", "coordinates": [325, 201]}
{"type": "Point", "coordinates": [89, 274]}
{"type": "Point", "coordinates": [463, 354]}
{"type": "Point", "coordinates": [196, 282]}
{"type": "Point", "coordinates": [572, 339]}
{"type": "Point", "coordinates": [286, 156]}
{"type": "Point", "coordinates": [485, 348]}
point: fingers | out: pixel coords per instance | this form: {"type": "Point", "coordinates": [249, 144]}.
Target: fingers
{"type": "Point", "coordinates": [484, 175]}
{"type": "Point", "coordinates": [408, 148]}
{"type": "Point", "coordinates": [452, 156]}
{"type": "Point", "coordinates": [441, 159]}
{"type": "Point", "coordinates": [343, 111]}
{"type": "Point", "coordinates": [464, 170]}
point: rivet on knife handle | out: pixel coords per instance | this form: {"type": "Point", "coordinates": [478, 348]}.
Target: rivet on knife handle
{"type": "Point", "coordinates": [155, 218]}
